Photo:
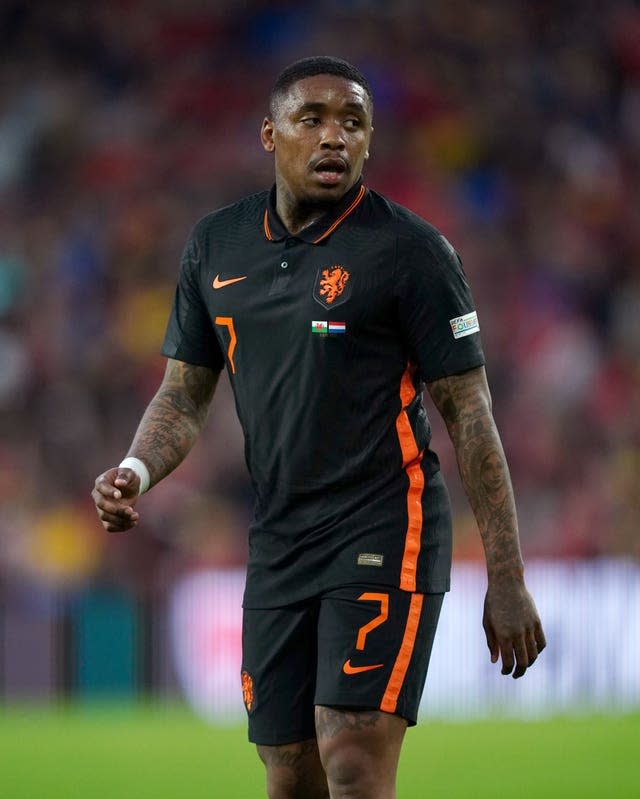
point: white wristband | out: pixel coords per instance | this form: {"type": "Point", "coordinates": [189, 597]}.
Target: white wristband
{"type": "Point", "coordinates": [139, 467]}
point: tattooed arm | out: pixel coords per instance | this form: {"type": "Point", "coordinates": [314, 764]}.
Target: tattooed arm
{"type": "Point", "coordinates": [167, 431]}
{"type": "Point", "coordinates": [511, 621]}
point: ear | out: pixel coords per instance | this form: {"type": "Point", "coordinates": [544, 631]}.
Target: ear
{"type": "Point", "coordinates": [266, 135]}
{"type": "Point", "coordinates": [366, 155]}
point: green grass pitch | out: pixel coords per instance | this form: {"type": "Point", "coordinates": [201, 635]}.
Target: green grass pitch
{"type": "Point", "coordinates": [159, 752]}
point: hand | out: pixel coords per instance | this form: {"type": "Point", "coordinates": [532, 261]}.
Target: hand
{"type": "Point", "coordinates": [115, 494]}
{"type": "Point", "coordinates": [512, 626]}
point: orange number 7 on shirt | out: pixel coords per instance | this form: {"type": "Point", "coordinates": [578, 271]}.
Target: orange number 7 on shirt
{"type": "Point", "coordinates": [227, 321]}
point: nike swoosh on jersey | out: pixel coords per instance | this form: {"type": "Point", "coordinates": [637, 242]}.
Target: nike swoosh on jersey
{"type": "Point", "coordinates": [349, 669]}
{"type": "Point", "coordinates": [220, 284]}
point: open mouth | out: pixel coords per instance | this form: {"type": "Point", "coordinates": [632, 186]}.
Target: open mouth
{"type": "Point", "coordinates": [330, 169]}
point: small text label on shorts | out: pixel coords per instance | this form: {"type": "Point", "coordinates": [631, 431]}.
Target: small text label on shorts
{"type": "Point", "coordinates": [370, 559]}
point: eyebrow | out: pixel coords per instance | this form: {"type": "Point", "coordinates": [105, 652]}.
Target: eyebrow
{"type": "Point", "coordinates": [349, 106]}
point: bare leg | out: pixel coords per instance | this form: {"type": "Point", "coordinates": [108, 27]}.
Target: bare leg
{"type": "Point", "coordinates": [359, 750]}
{"type": "Point", "coordinates": [294, 771]}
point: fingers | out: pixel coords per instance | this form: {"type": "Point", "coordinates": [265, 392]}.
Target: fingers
{"type": "Point", "coordinates": [116, 524]}
{"type": "Point", "coordinates": [512, 626]}
{"type": "Point", "coordinates": [541, 641]}
{"type": "Point", "coordinates": [520, 653]}
{"type": "Point", "coordinates": [522, 658]}
{"type": "Point", "coordinates": [127, 480]}
{"type": "Point", "coordinates": [517, 654]}
{"type": "Point", "coordinates": [113, 513]}
{"type": "Point", "coordinates": [114, 494]}
{"type": "Point", "coordinates": [116, 518]}
{"type": "Point", "coordinates": [531, 646]}
{"type": "Point", "coordinates": [506, 652]}
{"type": "Point", "coordinates": [492, 643]}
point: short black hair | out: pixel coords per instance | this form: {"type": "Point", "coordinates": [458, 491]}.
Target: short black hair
{"type": "Point", "coordinates": [316, 65]}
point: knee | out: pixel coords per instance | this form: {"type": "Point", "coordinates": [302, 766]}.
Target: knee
{"type": "Point", "coordinates": [297, 781]}
{"type": "Point", "coordinates": [294, 771]}
{"type": "Point", "coordinates": [349, 770]}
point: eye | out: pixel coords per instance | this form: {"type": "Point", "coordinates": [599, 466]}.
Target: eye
{"type": "Point", "coordinates": [310, 122]}
{"type": "Point", "coordinates": [352, 123]}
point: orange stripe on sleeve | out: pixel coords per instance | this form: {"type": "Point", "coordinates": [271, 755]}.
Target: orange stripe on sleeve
{"type": "Point", "coordinates": [394, 686]}
{"type": "Point", "coordinates": [411, 461]}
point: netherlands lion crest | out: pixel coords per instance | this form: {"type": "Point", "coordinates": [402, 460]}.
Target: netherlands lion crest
{"type": "Point", "coordinates": [332, 286]}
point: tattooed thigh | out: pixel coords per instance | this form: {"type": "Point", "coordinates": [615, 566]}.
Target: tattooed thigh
{"type": "Point", "coordinates": [331, 721]}
{"type": "Point", "coordinates": [294, 756]}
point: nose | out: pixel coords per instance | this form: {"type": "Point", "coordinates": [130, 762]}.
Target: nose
{"type": "Point", "coordinates": [332, 136]}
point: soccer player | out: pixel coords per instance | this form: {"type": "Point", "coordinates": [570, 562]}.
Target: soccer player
{"type": "Point", "coordinates": [331, 308]}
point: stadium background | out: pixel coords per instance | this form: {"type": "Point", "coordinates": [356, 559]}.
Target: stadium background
{"type": "Point", "coordinates": [512, 126]}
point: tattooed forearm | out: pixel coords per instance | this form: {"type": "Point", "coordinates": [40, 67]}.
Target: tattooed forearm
{"type": "Point", "coordinates": [465, 404]}
{"type": "Point", "coordinates": [330, 721]}
{"type": "Point", "coordinates": [174, 418]}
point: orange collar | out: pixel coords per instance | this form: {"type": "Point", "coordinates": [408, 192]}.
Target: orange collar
{"type": "Point", "coordinates": [274, 230]}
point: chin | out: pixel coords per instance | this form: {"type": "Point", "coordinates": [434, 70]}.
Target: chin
{"type": "Point", "coordinates": [328, 194]}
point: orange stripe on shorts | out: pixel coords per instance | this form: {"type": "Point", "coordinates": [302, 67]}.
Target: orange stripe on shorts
{"type": "Point", "coordinates": [390, 699]}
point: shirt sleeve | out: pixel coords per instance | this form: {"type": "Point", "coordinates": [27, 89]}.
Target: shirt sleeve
{"type": "Point", "coordinates": [436, 309]}
{"type": "Point", "coordinates": [190, 336]}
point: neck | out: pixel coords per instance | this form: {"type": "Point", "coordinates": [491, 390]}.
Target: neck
{"type": "Point", "coordinates": [296, 213]}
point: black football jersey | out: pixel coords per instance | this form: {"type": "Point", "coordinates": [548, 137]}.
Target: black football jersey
{"type": "Point", "coordinates": [328, 338]}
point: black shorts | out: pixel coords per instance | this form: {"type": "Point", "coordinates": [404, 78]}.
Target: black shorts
{"type": "Point", "coordinates": [361, 646]}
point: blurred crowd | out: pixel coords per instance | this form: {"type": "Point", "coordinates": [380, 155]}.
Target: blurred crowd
{"type": "Point", "coordinates": [513, 126]}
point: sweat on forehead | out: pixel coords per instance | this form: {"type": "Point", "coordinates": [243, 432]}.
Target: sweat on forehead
{"type": "Point", "coordinates": [316, 65]}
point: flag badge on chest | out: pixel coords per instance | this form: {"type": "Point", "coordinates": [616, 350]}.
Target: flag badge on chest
{"type": "Point", "coordinates": [325, 328]}
{"type": "Point", "coordinates": [319, 327]}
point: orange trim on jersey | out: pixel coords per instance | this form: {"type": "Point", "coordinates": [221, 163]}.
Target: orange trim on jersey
{"type": "Point", "coordinates": [267, 229]}
{"type": "Point", "coordinates": [407, 389]}
{"type": "Point", "coordinates": [408, 570]}
{"type": "Point", "coordinates": [411, 462]}
{"type": "Point", "coordinates": [329, 230]}
{"type": "Point", "coordinates": [394, 686]}
{"type": "Point", "coordinates": [227, 321]}
{"type": "Point", "coordinates": [343, 216]}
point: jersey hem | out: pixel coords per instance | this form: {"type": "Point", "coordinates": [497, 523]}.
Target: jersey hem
{"type": "Point", "coordinates": [441, 586]}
